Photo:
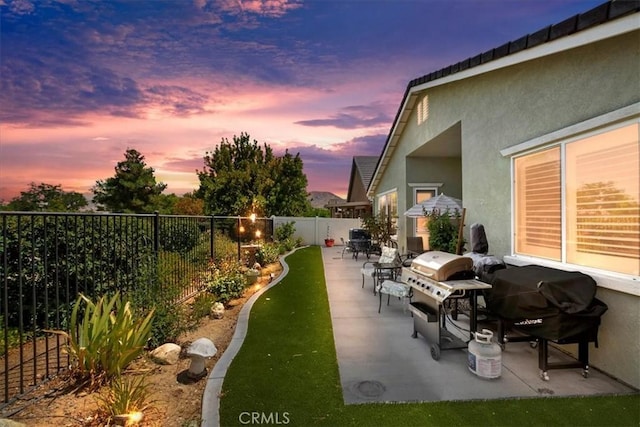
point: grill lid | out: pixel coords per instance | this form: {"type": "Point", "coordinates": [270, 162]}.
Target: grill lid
{"type": "Point", "coordinates": [438, 265]}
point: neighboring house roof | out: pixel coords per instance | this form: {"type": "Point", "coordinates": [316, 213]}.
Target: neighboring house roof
{"type": "Point", "coordinates": [319, 199]}
{"type": "Point", "coordinates": [505, 55]}
{"type": "Point", "coordinates": [366, 166]}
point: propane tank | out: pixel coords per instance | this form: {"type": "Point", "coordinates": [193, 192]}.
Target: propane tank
{"type": "Point", "coordinates": [485, 356]}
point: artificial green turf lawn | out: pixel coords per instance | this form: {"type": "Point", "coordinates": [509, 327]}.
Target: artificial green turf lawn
{"type": "Point", "coordinates": [286, 373]}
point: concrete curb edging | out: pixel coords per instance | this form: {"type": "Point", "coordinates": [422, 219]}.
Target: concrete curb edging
{"type": "Point", "coordinates": [213, 388]}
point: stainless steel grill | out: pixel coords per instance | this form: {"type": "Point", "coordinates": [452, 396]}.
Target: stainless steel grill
{"type": "Point", "coordinates": [435, 277]}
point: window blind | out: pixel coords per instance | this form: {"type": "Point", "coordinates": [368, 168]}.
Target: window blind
{"type": "Point", "coordinates": [538, 204]}
{"type": "Point", "coordinates": [607, 210]}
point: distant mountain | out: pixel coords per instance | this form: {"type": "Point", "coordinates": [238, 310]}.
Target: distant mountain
{"type": "Point", "coordinates": [319, 199]}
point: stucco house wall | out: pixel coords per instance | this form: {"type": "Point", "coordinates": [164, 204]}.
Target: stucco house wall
{"type": "Point", "coordinates": [531, 99]}
{"type": "Point", "coordinates": [510, 105]}
{"type": "Point", "coordinates": [534, 99]}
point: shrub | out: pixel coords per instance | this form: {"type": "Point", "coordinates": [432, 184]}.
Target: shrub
{"type": "Point", "coordinates": [380, 227]}
{"type": "Point", "coordinates": [12, 335]}
{"type": "Point", "coordinates": [170, 318]}
{"type": "Point", "coordinates": [93, 254]}
{"type": "Point", "coordinates": [288, 244]}
{"type": "Point", "coordinates": [443, 230]}
{"type": "Point", "coordinates": [107, 339]}
{"type": "Point", "coordinates": [224, 246]}
{"type": "Point", "coordinates": [202, 304]}
{"type": "Point", "coordinates": [178, 235]}
{"type": "Point", "coordinates": [268, 253]}
{"type": "Point", "coordinates": [285, 231]}
{"type": "Point", "coordinates": [225, 280]}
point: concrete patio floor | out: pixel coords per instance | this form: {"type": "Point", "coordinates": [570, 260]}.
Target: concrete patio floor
{"type": "Point", "coordinates": [379, 361]}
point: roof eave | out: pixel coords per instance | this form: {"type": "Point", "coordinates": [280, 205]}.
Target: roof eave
{"type": "Point", "coordinates": [609, 29]}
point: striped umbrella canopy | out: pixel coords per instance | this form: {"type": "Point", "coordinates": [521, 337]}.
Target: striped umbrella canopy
{"type": "Point", "coordinates": [440, 203]}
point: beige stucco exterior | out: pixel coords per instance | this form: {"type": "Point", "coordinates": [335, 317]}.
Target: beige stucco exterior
{"type": "Point", "coordinates": [477, 114]}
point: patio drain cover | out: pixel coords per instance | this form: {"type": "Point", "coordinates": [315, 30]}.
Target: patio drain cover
{"type": "Point", "coordinates": [370, 388]}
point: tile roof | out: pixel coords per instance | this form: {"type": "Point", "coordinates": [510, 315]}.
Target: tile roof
{"type": "Point", "coordinates": [367, 166]}
{"type": "Point", "coordinates": [605, 12]}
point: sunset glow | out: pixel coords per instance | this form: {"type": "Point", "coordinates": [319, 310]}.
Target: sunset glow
{"type": "Point", "coordinates": [81, 82]}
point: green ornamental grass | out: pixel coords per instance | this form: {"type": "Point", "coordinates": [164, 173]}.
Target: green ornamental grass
{"type": "Point", "coordinates": [287, 373]}
{"type": "Point", "coordinates": [125, 395]}
{"type": "Point", "coordinates": [107, 339]}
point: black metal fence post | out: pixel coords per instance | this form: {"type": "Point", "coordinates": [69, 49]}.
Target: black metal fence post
{"type": "Point", "coordinates": [156, 232]}
{"type": "Point", "coordinates": [48, 258]}
{"type": "Point", "coordinates": [238, 234]}
{"type": "Point", "coordinates": [212, 248]}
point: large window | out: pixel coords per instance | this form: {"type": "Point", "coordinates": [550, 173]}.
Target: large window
{"type": "Point", "coordinates": [578, 202]}
{"type": "Point", "coordinates": [388, 206]}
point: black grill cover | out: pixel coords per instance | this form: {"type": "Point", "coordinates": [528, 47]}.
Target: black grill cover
{"type": "Point", "coordinates": [359, 234]}
{"type": "Point", "coordinates": [545, 302]}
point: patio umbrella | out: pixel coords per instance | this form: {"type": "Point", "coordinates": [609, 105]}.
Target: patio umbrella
{"type": "Point", "coordinates": [440, 203]}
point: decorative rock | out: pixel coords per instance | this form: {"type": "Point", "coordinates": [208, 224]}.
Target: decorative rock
{"type": "Point", "coordinates": [217, 310]}
{"type": "Point", "coordinates": [166, 354]}
{"type": "Point", "coordinates": [5, 422]}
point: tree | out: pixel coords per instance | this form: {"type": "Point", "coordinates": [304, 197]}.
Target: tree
{"type": "Point", "coordinates": [240, 177]}
{"type": "Point", "coordinates": [133, 189]}
{"type": "Point", "coordinates": [165, 203]}
{"type": "Point", "coordinates": [188, 204]}
{"type": "Point", "coordinates": [380, 227]}
{"type": "Point", "coordinates": [443, 230]}
{"type": "Point", "coordinates": [47, 197]}
{"type": "Point", "coordinates": [287, 195]}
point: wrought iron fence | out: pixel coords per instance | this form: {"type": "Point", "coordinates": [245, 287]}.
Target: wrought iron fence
{"type": "Point", "coordinates": [48, 259]}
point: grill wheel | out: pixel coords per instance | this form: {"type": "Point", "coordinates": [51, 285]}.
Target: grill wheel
{"type": "Point", "coordinates": [435, 351]}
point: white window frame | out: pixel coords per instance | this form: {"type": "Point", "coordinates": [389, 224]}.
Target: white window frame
{"type": "Point", "coordinates": [394, 219]}
{"type": "Point", "coordinates": [422, 110]}
{"type": "Point", "coordinates": [435, 187]}
{"type": "Point", "coordinates": [615, 119]}
{"type": "Point", "coordinates": [384, 194]}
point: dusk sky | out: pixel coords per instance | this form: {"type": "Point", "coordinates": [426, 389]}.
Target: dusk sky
{"type": "Point", "coordinates": [83, 81]}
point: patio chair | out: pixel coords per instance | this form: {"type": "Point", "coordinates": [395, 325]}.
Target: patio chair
{"type": "Point", "coordinates": [414, 246]}
{"type": "Point", "coordinates": [346, 246]}
{"type": "Point", "coordinates": [394, 288]}
{"type": "Point", "coordinates": [388, 266]}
